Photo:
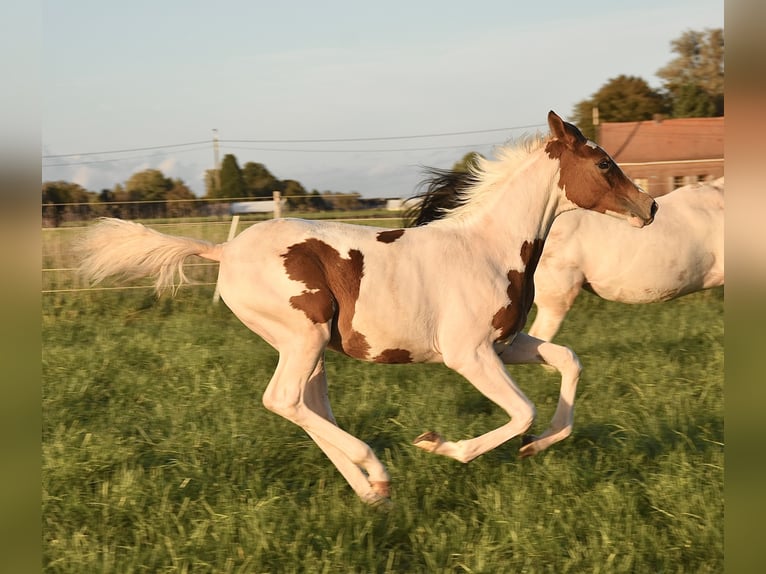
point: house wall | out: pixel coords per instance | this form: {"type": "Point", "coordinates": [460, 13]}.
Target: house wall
{"type": "Point", "coordinates": [659, 178]}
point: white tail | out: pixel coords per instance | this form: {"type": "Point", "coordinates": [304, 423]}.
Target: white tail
{"type": "Point", "coordinates": [128, 250]}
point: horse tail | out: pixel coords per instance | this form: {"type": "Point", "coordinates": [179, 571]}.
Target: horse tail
{"type": "Point", "coordinates": [128, 250]}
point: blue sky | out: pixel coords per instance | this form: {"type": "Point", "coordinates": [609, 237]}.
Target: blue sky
{"type": "Point", "coordinates": [141, 74]}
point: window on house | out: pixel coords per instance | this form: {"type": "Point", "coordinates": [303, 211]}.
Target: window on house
{"type": "Point", "coordinates": [678, 181]}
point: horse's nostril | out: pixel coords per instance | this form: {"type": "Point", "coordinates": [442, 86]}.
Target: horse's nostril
{"type": "Point", "coordinates": [654, 208]}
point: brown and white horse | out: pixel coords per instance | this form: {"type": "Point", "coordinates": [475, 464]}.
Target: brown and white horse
{"type": "Point", "coordinates": [455, 291]}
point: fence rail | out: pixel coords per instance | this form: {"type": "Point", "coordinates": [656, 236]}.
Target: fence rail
{"type": "Point", "coordinates": [60, 262]}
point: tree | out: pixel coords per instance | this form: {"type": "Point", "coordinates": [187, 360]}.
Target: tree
{"type": "Point", "coordinates": [317, 203]}
{"type": "Point", "coordinates": [621, 99]}
{"type": "Point", "coordinates": [694, 80]}
{"type": "Point", "coordinates": [295, 194]}
{"type": "Point", "coordinates": [59, 197]}
{"type": "Point", "coordinates": [212, 189]}
{"type": "Point", "coordinates": [175, 196]}
{"type": "Point", "coordinates": [149, 185]}
{"type": "Point", "coordinates": [232, 184]}
{"type": "Point", "coordinates": [692, 101]}
{"type": "Point", "coordinates": [259, 181]}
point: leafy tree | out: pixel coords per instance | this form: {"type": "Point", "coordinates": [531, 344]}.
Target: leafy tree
{"type": "Point", "coordinates": [694, 79]}
{"type": "Point", "coordinates": [621, 99]}
{"type": "Point", "coordinates": [259, 181]}
{"type": "Point", "coordinates": [692, 101]}
{"type": "Point", "coordinates": [148, 185]}
{"type": "Point", "coordinates": [212, 189]}
{"type": "Point", "coordinates": [317, 203]}
{"type": "Point", "coordinates": [177, 207]}
{"type": "Point", "coordinates": [58, 198]}
{"type": "Point", "coordinates": [232, 184]}
{"type": "Point", "coordinates": [295, 193]}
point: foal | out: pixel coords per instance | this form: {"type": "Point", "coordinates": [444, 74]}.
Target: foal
{"type": "Point", "coordinates": [455, 291]}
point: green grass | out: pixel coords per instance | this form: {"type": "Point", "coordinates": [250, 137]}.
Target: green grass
{"type": "Point", "coordinates": [159, 457]}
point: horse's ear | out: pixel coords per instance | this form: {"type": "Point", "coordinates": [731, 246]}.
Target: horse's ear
{"type": "Point", "coordinates": [564, 131]}
{"type": "Point", "coordinates": [556, 124]}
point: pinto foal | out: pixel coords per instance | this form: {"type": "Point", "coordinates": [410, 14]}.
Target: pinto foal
{"type": "Point", "coordinates": [455, 291]}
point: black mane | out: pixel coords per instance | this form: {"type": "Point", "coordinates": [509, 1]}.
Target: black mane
{"type": "Point", "coordinates": [444, 191]}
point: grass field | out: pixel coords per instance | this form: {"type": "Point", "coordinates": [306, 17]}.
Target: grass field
{"type": "Point", "coordinates": [159, 457]}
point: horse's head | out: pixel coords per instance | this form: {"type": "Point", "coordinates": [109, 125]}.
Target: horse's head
{"type": "Point", "coordinates": [590, 179]}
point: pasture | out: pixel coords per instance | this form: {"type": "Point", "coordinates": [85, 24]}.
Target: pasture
{"type": "Point", "coordinates": [159, 457]}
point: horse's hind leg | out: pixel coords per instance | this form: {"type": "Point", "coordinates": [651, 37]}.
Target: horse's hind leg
{"type": "Point", "coordinates": [317, 400]}
{"type": "Point", "coordinates": [526, 349]}
{"type": "Point", "coordinates": [552, 305]}
{"type": "Point", "coordinates": [291, 394]}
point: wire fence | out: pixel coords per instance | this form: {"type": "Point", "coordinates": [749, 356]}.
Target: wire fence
{"type": "Point", "coordinates": [60, 257]}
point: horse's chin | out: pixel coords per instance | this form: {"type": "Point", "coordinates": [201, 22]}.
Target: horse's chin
{"type": "Point", "coordinates": [637, 221]}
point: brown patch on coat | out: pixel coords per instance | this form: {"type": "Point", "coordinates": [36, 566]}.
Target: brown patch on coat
{"type": "Point", "coordinates": [511, 318]}
{"type": "Point", "coordinates": [332, 289]}
{"type": "Point", "coordinates": [394, 356]}
{"type": "Point", "coordinates": [390, 236]}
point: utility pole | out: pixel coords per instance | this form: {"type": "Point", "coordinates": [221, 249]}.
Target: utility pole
{"type": "Point", "coordinates": [596, 123]}
{"type": "Point", "coordinates": [216, 161]}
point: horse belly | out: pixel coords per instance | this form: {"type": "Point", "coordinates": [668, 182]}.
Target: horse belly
{"type": "Point", "coordinates": [386, 335]}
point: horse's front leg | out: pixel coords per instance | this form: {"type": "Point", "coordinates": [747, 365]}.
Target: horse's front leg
{"type": "Point", "coordinates": [487, 373]}
{"type": "Point", "coordinates": [526, 349]}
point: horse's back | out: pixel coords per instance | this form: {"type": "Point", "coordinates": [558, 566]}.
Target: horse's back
{"type": "Point", "coordinates": [366, 283]}
{"type": "Point", "coordinates": [679, 253]}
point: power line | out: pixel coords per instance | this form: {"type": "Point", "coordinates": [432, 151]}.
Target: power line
{"type": "Point", "coordinates": [62, 155]}
{"type": "Point", "coordinates": [370, 150]}
{"type": "Point", "coordinates": [382, 138]}
{"type": "Point", "coordinates": [112, 160]}
{"type": "Point", "coordinates": [288, 141]}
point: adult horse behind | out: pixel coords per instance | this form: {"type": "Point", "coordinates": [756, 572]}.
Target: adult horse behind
{"type": "Point", "coordinates": [682, 252]}
{"type": "Point", "coordinates": [455, 291]}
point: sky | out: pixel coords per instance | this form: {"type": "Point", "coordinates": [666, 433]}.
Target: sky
{"type": "Point", "coordinates": [345, 96]}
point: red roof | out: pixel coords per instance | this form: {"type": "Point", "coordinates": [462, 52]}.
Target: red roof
{"type": "Point", "coordinates": [663, 140]}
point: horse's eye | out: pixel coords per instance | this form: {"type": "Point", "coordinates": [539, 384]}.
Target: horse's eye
{"type": "Point", "coordinates": [604, 164]}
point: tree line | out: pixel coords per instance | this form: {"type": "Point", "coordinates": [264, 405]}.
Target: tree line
{"type": "Point", "coordinates": [692, 86]}
{"type": "Point", "coordinates": [150, 194]}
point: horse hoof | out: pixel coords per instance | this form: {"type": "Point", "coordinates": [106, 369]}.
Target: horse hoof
{"type": "Point", "coordinates": [381, 487]}
{"type": "Point", "coordinates": [527, 439]}
{"type": "Point", "coordinates": [528, 446]}
{"type": "Point", "coordinates": [429, 441]}
{"type": "Point", "coordinates": [381, 503]}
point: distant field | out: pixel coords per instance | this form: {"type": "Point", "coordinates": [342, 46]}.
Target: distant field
{"type": "Point", "coordinates": [159, 457]}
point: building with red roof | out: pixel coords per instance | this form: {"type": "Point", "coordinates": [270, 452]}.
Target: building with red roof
{"type": "Point", "coordinates": [663, 154]}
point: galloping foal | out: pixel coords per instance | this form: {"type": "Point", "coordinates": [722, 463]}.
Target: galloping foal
{"type": "Point", "coordinates": [455, 291]}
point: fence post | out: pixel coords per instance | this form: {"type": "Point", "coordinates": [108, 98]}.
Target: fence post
{"type": "Point", "coordinates": [277, 197]}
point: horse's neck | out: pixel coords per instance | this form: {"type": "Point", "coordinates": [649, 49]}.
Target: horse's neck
{"type": "Point", "coordinates": [521, 207]}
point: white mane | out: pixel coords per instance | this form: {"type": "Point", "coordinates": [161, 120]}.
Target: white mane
{"type": "Point", "coordinates": [488, 174]}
